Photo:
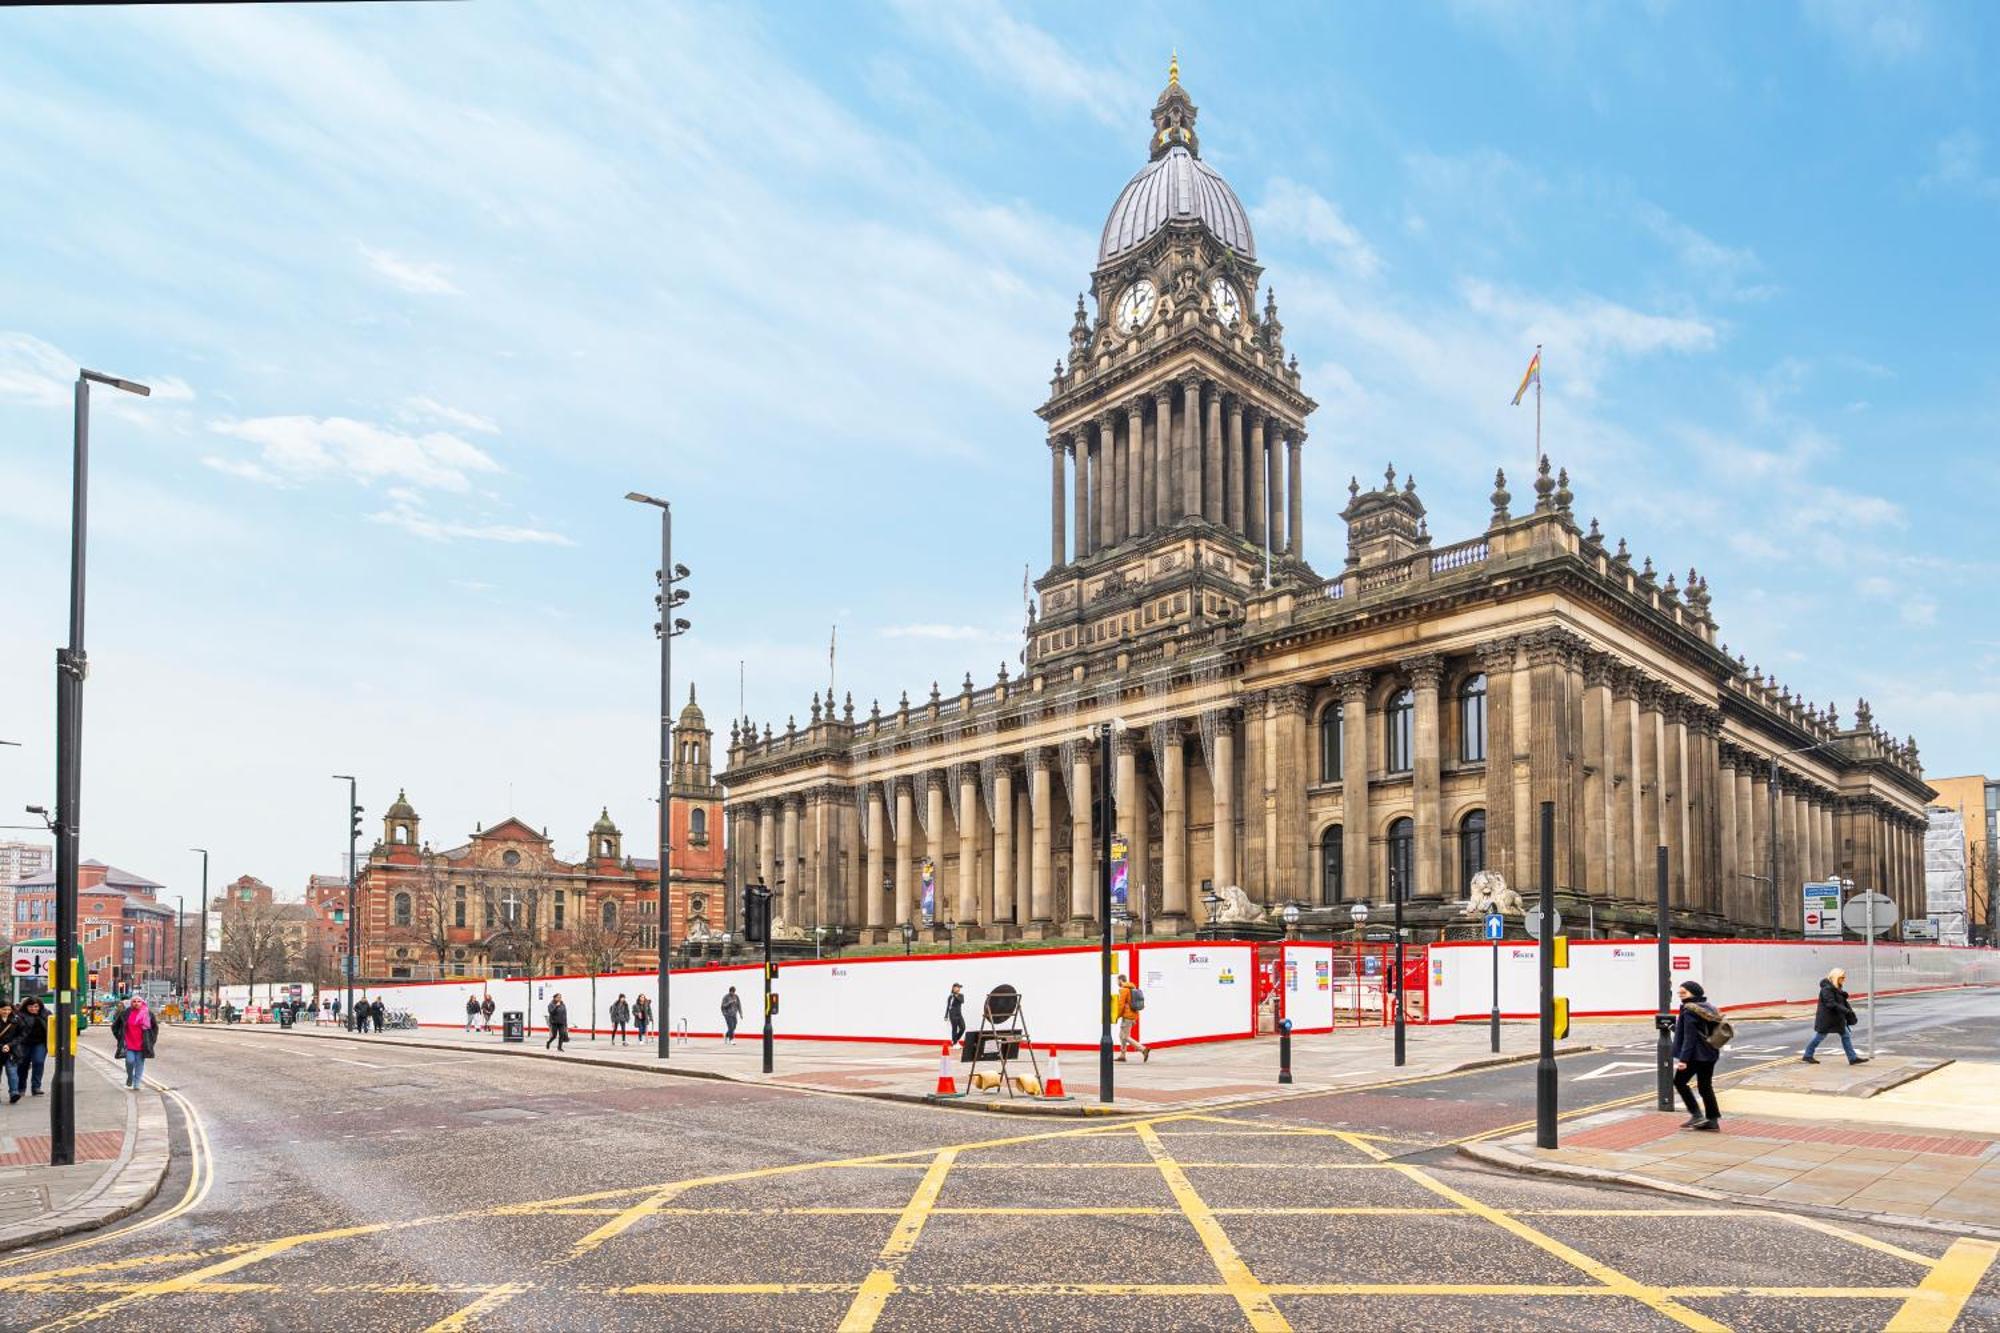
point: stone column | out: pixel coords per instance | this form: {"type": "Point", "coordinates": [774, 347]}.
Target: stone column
{"type": "Point", "coordinates": [1597, 761]}
{"type": "Point", "coordinates": [1166, 457]}
{"type": "Point", "coordinates": [794, 901]}
{"type": "Point", "coordinates": [1093, 455]}
{"type": "Point", "coordinates": [1274, 518]}
{"type": "Point", "coordinates": [1138, 468]}
{"type": "Point", "coordinates": [1259, 811]}
{"type": "Point", "coordinates": [818, 879]}
{"type": "Point", "coordinates": [1354, 814]}
{"type": "Point", "coordinates": [1169, 757]}
{"type": "Point", "coordinates": [1295, 540]}
{"type": "Point", "coordinates": [1024, 854]}
{"type": "Point", "coordinates": [1551, 742]}
{"type": "Point", "coordinates": [1835, 861]}
{"type": "Point", "coordinates": [1211, 469]}
{"type": "Point", "coordinates": [1079, 453]}
{"type": "Point", "coordinates": [1727, 892]}
{"type": "Point", "coordinates": [906, 841]}
{"type": "Point", "coordinates": [1125, 805]}
{"type": "Point", "coordinates": [1255, 510]}
{"type": "Point", "coordinates": [1111, 522]}
{"type": "Point", "coordinates": [968, 845]}
{"type": "Point", "coordinates": [1223, 782]}
{"type": "Point", "coordinates": [1003, 842]}
{"type": "Point", "coordinates": [1057, 549]}
{"type": "Point", "coordinates": [1292, 754]}
{"type": "Point", "coordinates": [1425, 787]}
{"type": "Point", "coordinates": [1628, 867]}
{"type": "Point", "coordinates": [1041, 866]}
{"type": "Point", "coordinates": [1233, 471]}
{"type": "Point", "coordinates": [871, 878]}
{"type": "Point", "coordinates": [1190, 480]}
{"type": "Point", "coordinates": [1652, 788]}
{"type": "Point", "coordinates": [1497, 661]}
{"type": "Point", "coordinates": [1789, 904]}
{"type": "Point", "coordinates": [1082, 842]}
{"type": "Point", "coordinates": [934, 840]}
{"type": "Point", "coordinates": [1673, 763]}
{"type": "Point", "coordinates": [851, 898]}
{"type": "Point", "coordinates": [1747, 898]}
{"type": "Point", "coordinates": [767, 846]}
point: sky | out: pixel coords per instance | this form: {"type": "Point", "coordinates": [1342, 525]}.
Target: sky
{"type": "Point", "coordinates": [422, 291]}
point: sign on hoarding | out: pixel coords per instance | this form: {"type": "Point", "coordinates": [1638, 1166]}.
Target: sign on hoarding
{"type": "Point", "coordinates": [1822, 910]}
{"type": "Point", "coordinates": [1121, 852]}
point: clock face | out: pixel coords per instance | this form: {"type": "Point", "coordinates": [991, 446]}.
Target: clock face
{"type": "Point", "coordinates": [1223, 297]}
{"type": "Point", "coordinates": [1136, 306]}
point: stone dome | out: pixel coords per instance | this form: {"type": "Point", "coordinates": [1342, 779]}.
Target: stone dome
{"type": "Point", "coordinates": [402, 809]}
{"type": "Point", "coordinates": [691, 715]}
{"type": "Point", "coordinates": [1175, 186]}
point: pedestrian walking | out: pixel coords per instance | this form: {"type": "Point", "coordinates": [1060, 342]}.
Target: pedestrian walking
{"type": "Point", "coordinates": [10, 1037]}
{"type": "Point", "coordinates": [378, 1013]}
{"type": "Point", "coordinates": [137, 1033]}
{"type": "Point", "coordinates": [621, 1018]}
{"type": "Point", "coordinates": [336, 1013]}
{"type": "Point", "coordinates": [954, 1012]}
{"type": "Point", "coordinates": [117, 1026]}
{"type": "Point", "coordinates": [31, 1048]}
{"type": "Point", "coordinates": [1835, 1015]}
{"type": "Point", "coordinates": [558, 1024]}
{"type": "Point", "coordinates": [1700, 1031]}
{"type": "Point", "coordinates": [732, 1014]}
{"type": "Point", "coordinates": [471, 1011]}
{"type": "Point", "coordinates": [1126, 1002]}
{"type": "Point", "coordinates": [642, 1016]}
{"type": "Point", "coordinates": [486, 1014]}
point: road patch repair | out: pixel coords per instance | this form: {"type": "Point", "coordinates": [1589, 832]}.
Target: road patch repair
{"type": "Point", "coordinates": [1901, 1141]}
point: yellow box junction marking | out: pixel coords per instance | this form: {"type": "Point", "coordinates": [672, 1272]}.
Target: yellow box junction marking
{"type": "Point", "coordinates": [1939, 1297]}
{"type": "Point", "coordinates": [880, 1284]}
{"type": "Point", "coordinates": [1251, 1296]}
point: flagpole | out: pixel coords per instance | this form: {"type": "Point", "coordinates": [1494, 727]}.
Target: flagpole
{"type": "Point", "coordinates": [1538, 406]}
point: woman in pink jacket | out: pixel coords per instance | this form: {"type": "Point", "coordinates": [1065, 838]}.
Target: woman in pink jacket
{"type": "Point", "coordinates": [137, 1042]}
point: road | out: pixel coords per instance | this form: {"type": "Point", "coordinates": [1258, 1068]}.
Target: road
{"type": "Point", "coordinates": [335, 1184]}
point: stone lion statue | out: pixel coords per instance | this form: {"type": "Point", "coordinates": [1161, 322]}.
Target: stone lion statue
{"type": "Point", "coordinates": [1491, 894]}
{"type": "Point", "coordinates": [786, 931]}
{"type": "Point", "coordinates": [1236, 906]}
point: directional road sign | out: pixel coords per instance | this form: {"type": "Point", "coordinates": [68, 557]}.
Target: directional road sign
{"type": "Point", "coordinates": [1856, 915]}
{"type": "Point", "coordinates": [1534, 923]}
{"type": "Point", "coordinates": [1496, 926]}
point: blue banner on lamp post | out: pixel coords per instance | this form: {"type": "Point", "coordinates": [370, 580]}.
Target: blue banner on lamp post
{"type": "Point", "coordinates": [929, 882]}
{"type": "Point", "coordinates": [1120, 861]}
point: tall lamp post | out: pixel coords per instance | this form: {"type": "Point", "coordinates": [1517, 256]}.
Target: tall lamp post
{"type": "Point", "coordinates": [668, 627]}
{"type": "Point", "coordinates": [180, 948]}
{"type": "Point", "coordinates": [72, 665]}
{"type": "Point", "coordinates": [353, 961]}
{"type": "Point", "coordinates": [201, 965]}
{"type": "Point", "coordinates": [1104, 1076]}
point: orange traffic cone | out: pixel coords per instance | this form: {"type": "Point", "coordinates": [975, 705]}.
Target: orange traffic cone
{"type": "Point", "coordinates": [945, 1086]}
{"type": "Point", "coordinates": [1053, 1089]}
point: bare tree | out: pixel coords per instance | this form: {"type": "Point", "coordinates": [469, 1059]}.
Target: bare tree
{"type": "Point", "coordinates": [522, 903]}
{"type": "Point", "coordinates": [435, 901]}
{"type": "Point", "coordinates": [255, 943]}
{"type": "Point", "coordinates": [318, 964]}
{"type": "Point", "coordinates": [597, 946]}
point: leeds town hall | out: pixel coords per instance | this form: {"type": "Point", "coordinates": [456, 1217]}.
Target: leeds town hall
{"type": "Point", "coordinates": [1384, 722]}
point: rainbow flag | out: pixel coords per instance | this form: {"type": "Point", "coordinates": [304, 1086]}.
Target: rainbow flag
{"type": "Point", "coordinates": [1533, 376]}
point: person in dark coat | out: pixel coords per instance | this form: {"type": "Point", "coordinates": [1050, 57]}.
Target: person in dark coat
{"type": "Point", "coordinates": [471, 1012]}
{"type": "Point", "coordinates": [621, 1020]}
{"type": "Point", "coordinates": [1694, 1058]}
{"type": "Point", "coordinates": [31, 1048]}
{"type": "Point", "coordinates": [10, 1037]}
{"type": "Point", "coordinates": [954, 1012]}
{"type": "Point", "coordinates": [486, 1014]}
{"type": "Point", "coordinates": [1834, 1016]}
{"type": "Point", "coordinates": [732, 1014]}
{"type": "Point", "coordinates": [642, 1016]}
{"type": "Point", "coordinates": [378, 1013]}
{"type": "Point", "coordinates": [558, 1024]}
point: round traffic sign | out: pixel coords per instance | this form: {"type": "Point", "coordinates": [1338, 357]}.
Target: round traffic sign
{"type": "Point", "coordinates": [24, 965]}
{"type": "Point", "coordinates": [1869, 913]}
{"type": "Point", "coordinates": [1533, 922]}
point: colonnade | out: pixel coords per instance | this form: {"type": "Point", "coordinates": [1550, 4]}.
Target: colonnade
{"type": "Point", "coordinates": [1186, 449]}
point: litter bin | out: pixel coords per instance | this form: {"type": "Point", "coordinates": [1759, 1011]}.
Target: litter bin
{"type": "Point", "coordinates": [513, 1026]}
{"type": "Point", "coordinates": [285, 1012]}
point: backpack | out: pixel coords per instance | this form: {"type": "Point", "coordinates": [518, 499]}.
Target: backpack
{"type": "Point", "coordinates": [1135, 1000]}
{"type": "Point", "coordinates": [1719, 1033]}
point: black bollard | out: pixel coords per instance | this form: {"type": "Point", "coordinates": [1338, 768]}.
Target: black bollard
{"type": "Point", "coordinates": [1284, 1050]}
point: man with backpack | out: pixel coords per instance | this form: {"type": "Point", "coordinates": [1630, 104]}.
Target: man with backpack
{"type": "Point", "coordinates": [1126, 1002]}
{"type": "Point", "coordinates": [954, 1012]}
{"type": "Point", "coordinates": [1700, 1033]}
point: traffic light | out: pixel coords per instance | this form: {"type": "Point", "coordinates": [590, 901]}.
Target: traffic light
{"type": "Point", "coordinates": [771, 1004]}
{"type": "Point", "coordinates": [357, 823]}
{"type": "Point", "coordinates": [756, 914]}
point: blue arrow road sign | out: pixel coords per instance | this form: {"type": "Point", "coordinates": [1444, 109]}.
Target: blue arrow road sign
{"type": "Point", "coordinates": [1496, 926]}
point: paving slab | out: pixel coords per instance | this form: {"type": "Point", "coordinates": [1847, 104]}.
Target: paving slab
{"type": "Point", "coordinates": [122, 1154]}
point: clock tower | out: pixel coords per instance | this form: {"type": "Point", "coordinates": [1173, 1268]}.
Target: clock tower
{"type": "Point", "coordinates": [1175, 423]}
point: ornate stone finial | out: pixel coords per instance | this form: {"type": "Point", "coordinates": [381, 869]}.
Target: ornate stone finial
{"type": "Point", "coordinates": [1501, 497]}
{"type": "Point", "coordinates": [1174, 69]}
{"type": "Point", "coordinates": [1646, 570]}
{"type": "Point", "coordinates": [1596, 534]}
{"type": "Point", "coordinates": [1079, 332]}
{"type": "Point", "coordinates": [1353, 488]}
{"type": "Point", "coordinates": [1389, 478]}
{"type": "Point", "coordinates": [967, 687]}
{"type": "Point", "coordinates": [1003, 673]}
{"type": "Point", "coordinates": [1410, 484]}
{"type": "Point", "coordinates": [847, 709]}
{"type": "Point", "coordinates": [936, 694]}
{"type": "Point", "coordinates": [874, 710]}
{"type": "Point", "coordinates": [791, 724]}
{"type": "Point", "coordinates": [1545, 485]}
{"type": "Point", "coordinates": [1833, 714]}
{"type": "Point", "coordinates": [815, 708]}
{"type": "Point", "coordinates": [1670, 592]}
{"type": "Point", "coordinates": [1293, 365]}
{"type": "Point", "coordinates": [903, 703]}
{"type": "Point", "coordinates": [1864, 716]}
{"type": "Point", "coordinates": [767, 733]}
{"type": "Point", "coordinates": [1273, 331]}
{"type": "Point", "coordinates": [735, 731]}
{"type": "Point", "coordinates": [1173, 117]}
{"type": "Point", "coordinates": [1564, 498]}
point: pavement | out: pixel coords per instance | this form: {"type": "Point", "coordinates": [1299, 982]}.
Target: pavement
{"type": "Point", "coordinates": [357, 1184]}
{"type": "Point", "coordinates": [121, 1155]}
{"type": "Point", "coordinates": [1194, 1077]}
{"type": "Point", "coordinates": [1910, 1137]}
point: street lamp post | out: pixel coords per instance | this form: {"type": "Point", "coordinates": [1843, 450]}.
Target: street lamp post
{"type": "Point", "coordinates": [1358, 914]}
{"type": "Point", "coordinates": [201, 964]}
{"type": "Point", "coordinates": [668, 627]}
{"type": "Point", "coordinates": [180, 948]}
{"type": "Point", "coordinates": [1104, 1074]}
{"type": "Point", "coordinates": [352, 963]}
{"type": "Point", "coordinates": [72, 665]}
{"type": "Point", "coordinates": [909, 934]}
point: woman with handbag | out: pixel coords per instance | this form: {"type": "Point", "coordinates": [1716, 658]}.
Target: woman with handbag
{"type": "Point", "coordinates": [1835, 1015]}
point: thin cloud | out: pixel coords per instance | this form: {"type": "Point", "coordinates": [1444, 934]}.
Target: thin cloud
{"type": "Point", "coordinates": [1295, 210]}
{"type": "Point", "coordinates": [1023, 57]}
{"type": "Point", "coordinates": [406, 514]}
{"type": "Point", "coordinates": [426, 279]}
{"type": "Point", "coordinates": [1872, 32]}
{"type": "Point", "coordinates": [323, 448]}
{"type": "Point", "coordinates": [431, 407]}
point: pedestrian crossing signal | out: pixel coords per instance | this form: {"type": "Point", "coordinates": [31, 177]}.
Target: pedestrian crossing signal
{"type": "Point", "coordinates": [771, 1004]}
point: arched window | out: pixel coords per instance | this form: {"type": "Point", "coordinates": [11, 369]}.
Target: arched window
{"type": "Point", "coordinates": [1332, 885]}
{"type": "Point", "coordinates": [1329, 744]}
{"type": "Point", "coordinates": [1471, 848]}
{"type": "Point", "coordinates": [608, 913]}
{"type": "Point", "coordinates": [1402, 840]}
{"type": "Point", "coordinates": [401, 909]}
{"type": "Point", "coordinates": [698, 826]}
{"type": "Point", "coordinates": [1472, 719]}
{"type": "Point", "coordinates": [1402, 707]}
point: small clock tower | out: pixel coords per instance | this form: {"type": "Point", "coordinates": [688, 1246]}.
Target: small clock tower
{"type": "Point", "coordinates": [1175, 422]}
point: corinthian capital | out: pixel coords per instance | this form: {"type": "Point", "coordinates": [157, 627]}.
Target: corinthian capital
{"type": "Point", "coordinates": [1424, 671]}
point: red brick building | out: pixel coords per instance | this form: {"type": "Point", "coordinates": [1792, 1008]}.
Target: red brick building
{"type": "Point", "coordinates": [505, 904]}
{"type": "Point", "coordinates": [126, 933]}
